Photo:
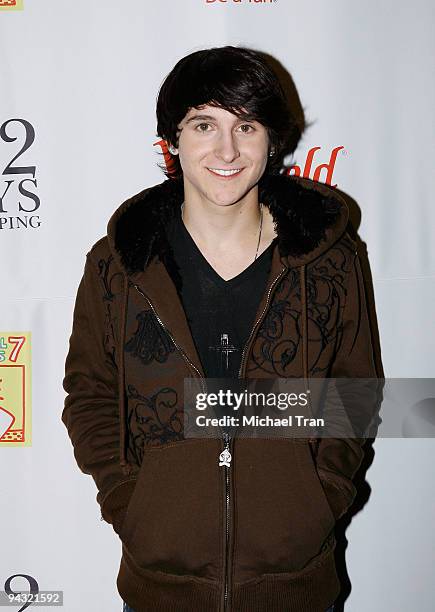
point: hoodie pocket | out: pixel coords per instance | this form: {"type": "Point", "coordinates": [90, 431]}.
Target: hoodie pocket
{"type": "Point", "coordinates": [173, 520]}
{"type": "Point", "coordinates": [282, 517]}
{"type": "Point", "coordinates": [312, 481]}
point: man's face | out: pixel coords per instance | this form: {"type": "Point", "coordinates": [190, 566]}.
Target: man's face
{"type": "Point", "coordinates": [212, 140]}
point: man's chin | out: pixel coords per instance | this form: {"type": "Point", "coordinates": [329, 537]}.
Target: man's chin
{"type": "Point", "coordinates": [228, 199]}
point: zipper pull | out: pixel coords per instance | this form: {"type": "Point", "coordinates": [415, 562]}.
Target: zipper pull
{"type": "Point", "coordinates": [225, 455]}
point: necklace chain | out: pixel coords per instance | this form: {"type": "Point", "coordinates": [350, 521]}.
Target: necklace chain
{"type": "Point", "coordinates": [260, 227]}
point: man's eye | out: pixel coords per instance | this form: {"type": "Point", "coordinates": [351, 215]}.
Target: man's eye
{"type": "Point", "coordinates": [242, 127]}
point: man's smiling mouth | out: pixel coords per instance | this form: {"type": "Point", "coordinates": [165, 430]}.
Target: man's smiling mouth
{"type": "Point", "coordinates": [225, 173]}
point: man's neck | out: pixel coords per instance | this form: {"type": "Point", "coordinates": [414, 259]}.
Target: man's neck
{"type": "Point", "coordinates": [226, 227]}
{"type": "Point", "coordinates": [227, 235]}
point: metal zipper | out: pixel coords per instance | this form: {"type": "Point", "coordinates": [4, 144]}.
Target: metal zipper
{"type": "Point", "coordinates": [284, 269]}
{"type": "Point", "coordinates": [225, 456]}
{"type": "Point", "coordinates": [227, 447]}
{"type": "Point", "coordinates": [185, 356]}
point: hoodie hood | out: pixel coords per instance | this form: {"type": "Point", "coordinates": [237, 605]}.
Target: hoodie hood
{"type": "Point", "coordinates": [308, 217]}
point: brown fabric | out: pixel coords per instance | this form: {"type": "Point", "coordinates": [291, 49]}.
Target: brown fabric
{"type": "Point", "coordinates": [130, 350]}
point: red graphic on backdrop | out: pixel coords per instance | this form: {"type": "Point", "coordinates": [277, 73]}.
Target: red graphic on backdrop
{"type": "Point", "coordinates": [329, 166]}
{"type": "Point", "coordinates": [169, 162]}
{"type": "Point", "coordinates": [15, 363]}
{"type": "Point", "coordinates": [7, 419]}
{"type": "Point", "coordinates": [8, 2]}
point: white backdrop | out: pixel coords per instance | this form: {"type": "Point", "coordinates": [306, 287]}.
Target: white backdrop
{"type": "Point", "coordinates": [85, 75]}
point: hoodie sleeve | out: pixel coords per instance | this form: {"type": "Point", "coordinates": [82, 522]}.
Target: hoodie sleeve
{"type": "Point", "coordinates": [91, 413]}
{"type": "Point", "coordinates": [338, 459]}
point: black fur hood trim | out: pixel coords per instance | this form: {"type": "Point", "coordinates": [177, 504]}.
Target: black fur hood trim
{"type": "Point", "coordinates": [309, 217]}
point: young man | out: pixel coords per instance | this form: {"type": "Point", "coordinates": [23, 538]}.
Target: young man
{"type": "Point", "coordinates": [227, 269]}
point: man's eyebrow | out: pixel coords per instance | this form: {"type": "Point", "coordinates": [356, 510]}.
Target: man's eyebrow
{"type": "Point", "coordinates": [208, 117]}
{"type": "Point", "coordinates": [194, 117]}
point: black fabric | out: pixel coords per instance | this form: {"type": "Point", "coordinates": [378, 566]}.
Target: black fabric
{"type": "Point", "coordinates": [219, 312]}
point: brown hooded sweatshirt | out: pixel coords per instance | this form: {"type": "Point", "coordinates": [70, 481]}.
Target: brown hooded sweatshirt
{"type": "Point", "coordinates": [257, 536]}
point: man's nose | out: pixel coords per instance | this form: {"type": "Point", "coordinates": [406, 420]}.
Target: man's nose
{"type": "Point", "coordinates": [226, 148]}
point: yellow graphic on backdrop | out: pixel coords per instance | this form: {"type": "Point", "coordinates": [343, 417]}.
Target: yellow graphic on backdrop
{"type": "Point", "coordinates": [11, 5]}
{"type": "Point", "coordinates": [15, 387]}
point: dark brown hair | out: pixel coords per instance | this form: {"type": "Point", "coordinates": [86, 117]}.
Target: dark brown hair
{"type": "Point", "coordinates": [231, 78]}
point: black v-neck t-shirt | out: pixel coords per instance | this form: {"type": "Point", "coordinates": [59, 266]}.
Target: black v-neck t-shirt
{"type": "Point", "coordinates": [220, 312]}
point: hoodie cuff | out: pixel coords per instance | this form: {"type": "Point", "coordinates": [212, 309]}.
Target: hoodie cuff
{"type": "Point", "coordinates": [115, 503]}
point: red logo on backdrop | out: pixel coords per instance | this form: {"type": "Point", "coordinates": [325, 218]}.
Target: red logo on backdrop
{"type": "Point", "coordinates": [328, 167]}
{"type": "Point", "coordinates": [291, 170]}
{"type": "Point", "coordinates": [8, 2]}
{"type": "Point", "coordinates": [170, 166]}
